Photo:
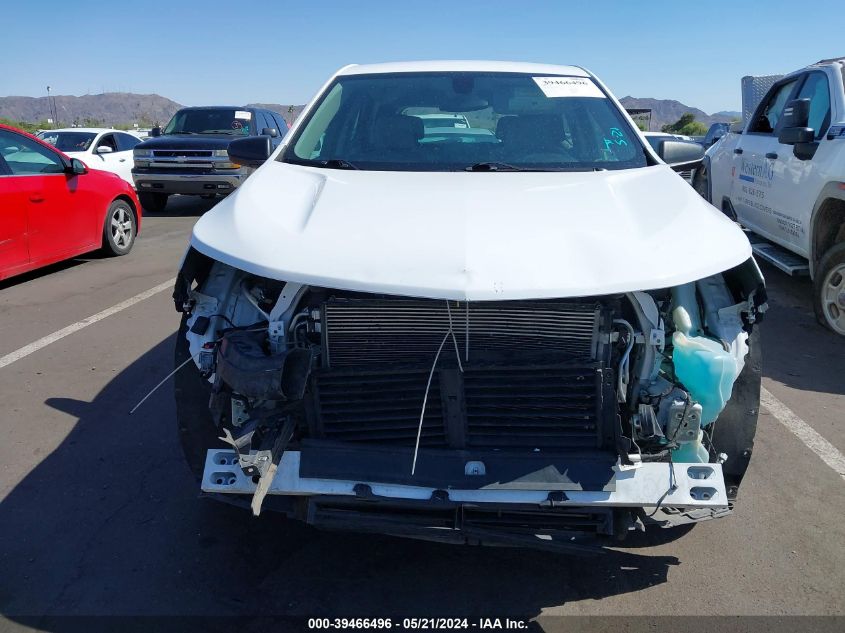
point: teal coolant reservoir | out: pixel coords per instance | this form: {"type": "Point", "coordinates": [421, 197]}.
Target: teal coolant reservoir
{"type": "Point", "coordinates": [705, 368]}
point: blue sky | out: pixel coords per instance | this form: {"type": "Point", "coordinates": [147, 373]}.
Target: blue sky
{"type": "Point", "coordinates": [211, 51]}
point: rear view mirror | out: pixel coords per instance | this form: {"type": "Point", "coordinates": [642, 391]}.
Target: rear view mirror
{"type": "Point", "coordinates": [270, 131]}
{"type": "Point", "coordinates": [156, 131]}
{"type": "Point", "coordinates": [251, 151]}
{"type": "Point", "coordinates": [680, 155]}
{"type": "Point", "coordinates": [104, 149]}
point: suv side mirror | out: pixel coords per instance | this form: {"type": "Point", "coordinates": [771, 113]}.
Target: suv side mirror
{"type": "Point", "coordinates": [251, 151]}
{"type": "Point", "coordinates": [104, 149]}
{"type": "Point", "coordinates": [270, 131]}
{"type": "Point", "coordinates": [156, 131]}
{"type": "Point", "coordinates": [681, 155]}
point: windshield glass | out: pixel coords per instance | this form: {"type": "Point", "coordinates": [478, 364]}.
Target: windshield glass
{"type": "Point", "coordinates": [448, 121]}
{"type": "Point", "coordinates": [68, 141]}
{"type": "Point", "coordinates": [210, 121]}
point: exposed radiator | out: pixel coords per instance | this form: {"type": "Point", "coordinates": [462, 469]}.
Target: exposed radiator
{"type": "Point", "coordinates": [533, 373]}
{"type": "Point", "coordinates": [534, 406]}
{"type": "Point", "coordinates": [409, 331]}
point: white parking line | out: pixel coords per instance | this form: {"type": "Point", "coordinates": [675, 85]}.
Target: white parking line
{"type": "Point", "coordinates": [26, 350]}
{"type": "Point", "coordinates": [829, 454]}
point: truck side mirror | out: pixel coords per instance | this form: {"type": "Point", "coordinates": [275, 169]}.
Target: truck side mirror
{"type": "Point", "coordinates": [156, 131]}
{"type": "Point", "coordinates": [793, 135]}
{"type": "Point", "coordinates": [270, 131]}
{"type": "Point", "coordinates": [251, 151]}
{"type": "Point", "coordinates": [681, 155]}
{"type": "Point", "coordinates": [796, 116]}
{"type": "Point", "coordinates": [797, 113]}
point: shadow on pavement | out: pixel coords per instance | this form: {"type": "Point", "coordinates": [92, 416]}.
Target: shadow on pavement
{"type": "Point", "coordinates": [797, 350]}
{"type": "Point", "coordinates": [184, 207]}
{"type": "Point", "coordinates": [45, 271]}
{"type": "Point", "coordinates": [110, 523]}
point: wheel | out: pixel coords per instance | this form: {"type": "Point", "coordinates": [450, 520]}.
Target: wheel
{"type": "Point", "coordinates": [120, 228]}
{"type": "Point", "coordinates": [153, 202]}
{"type": "Point", "coordinates": [829, 289]}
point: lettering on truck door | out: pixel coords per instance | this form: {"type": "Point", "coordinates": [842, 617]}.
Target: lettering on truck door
{"type": "Point", "coordinates": [756, 171]}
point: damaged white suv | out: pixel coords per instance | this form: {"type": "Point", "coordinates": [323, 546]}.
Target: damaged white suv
{"type": "Point", "coordinates": [526, 326]}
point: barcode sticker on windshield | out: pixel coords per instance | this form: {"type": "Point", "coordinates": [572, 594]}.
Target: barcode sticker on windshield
{"type": "Point", "coordinates": [568, 87]}
{"type": "Point", "coordinates": [242, 114]}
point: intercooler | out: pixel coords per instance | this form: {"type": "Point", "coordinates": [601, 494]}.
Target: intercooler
{"type": "Point", "coordinates": [531, 374]}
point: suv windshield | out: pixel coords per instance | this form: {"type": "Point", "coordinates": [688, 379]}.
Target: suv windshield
{"type": "Point", "coordinates": [449, 121]}
{"type": "Point", "coordinates": [210, 121]}
{"type": "Point", "coordinates": [68, 141]}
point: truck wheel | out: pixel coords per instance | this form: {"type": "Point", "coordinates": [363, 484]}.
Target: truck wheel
{"type": "Point", "coordinates": [153, 202]}
{"type": "Point", "coordinates": [829, 290]}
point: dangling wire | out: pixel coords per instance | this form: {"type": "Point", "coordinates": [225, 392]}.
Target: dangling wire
{"type": "Point", "coordinates": [454, 340]}
{"type": "Point", "coordinates": [164, 380]}
{"type": "Point", "coordinates": [449, 332]}
{"type": "Point", "coordinates": [425, 400]}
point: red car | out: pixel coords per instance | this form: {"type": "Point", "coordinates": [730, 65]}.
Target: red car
{"type": "Point", "coordinates": [53, 207]}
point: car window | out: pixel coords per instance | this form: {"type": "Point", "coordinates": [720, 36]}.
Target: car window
{"type": "Point", "coordinates": [281, 125]}
{"type": "Point", "coordinates": [126, 142]}
{"type": "Point", "coordinates": [68, 141]}
{"type": "Point", "coordinates": [107, 140]}
{"type": "Point", "coordinates": [264, 121]}
{"type": "Point", "coordinates": [769, 112]}
{"type": "Point", "coordinates": [816, 89]}
{"type": "Point", "coordinates": [25, 156]}
{"type": "Point", "coordinates": [449, 121]}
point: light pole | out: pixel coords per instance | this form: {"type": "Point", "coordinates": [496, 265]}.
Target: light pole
{"type": "Point", "coordinates": [51, 106]}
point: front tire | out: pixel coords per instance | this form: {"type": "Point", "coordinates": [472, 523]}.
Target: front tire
{"type": "Point", "coordinates": [153, 202]}
{"type": "Point", "coordinates": [829, 289]}
{"type": "Point", "coordinates": [120, 228]}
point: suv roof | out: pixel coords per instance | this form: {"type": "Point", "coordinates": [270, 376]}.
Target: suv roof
{"type": "Point", "coordinates": [463, 65]}
{"type": "Point", "coordinates": [222, 107]}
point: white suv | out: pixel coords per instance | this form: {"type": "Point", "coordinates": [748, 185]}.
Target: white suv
{"type": "Point", "coordinates": [783, 177]}
{"type": "Point", "coordinates": [478, 341]}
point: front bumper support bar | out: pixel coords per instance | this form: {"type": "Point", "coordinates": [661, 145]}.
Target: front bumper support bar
{"type": "Point", "coordinates": [646, 485]}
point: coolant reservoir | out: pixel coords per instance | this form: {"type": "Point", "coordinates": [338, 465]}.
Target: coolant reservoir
{"type": "Point", "coordinates": [703, 365]}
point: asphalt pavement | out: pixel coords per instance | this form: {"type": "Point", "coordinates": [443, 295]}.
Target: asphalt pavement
{"type": "Point", "coordinates": [99, 514]}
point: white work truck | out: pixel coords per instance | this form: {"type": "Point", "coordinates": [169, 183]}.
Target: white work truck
{"type": "Point", "coordinates": [783, 178]}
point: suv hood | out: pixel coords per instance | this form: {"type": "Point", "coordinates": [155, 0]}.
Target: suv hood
{"type": "Point", "coordinates": [472, 236]}
{"type": "Point", "coordinates": [187, 141]}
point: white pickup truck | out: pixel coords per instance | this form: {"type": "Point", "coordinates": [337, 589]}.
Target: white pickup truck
{"type": "Point", "coordinates": [783, 178]}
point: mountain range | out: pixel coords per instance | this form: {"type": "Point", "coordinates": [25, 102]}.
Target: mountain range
{"type": "Point", "coordinates": [664, 111]}
{"type": "Point", "coordinates": [124, 108]}
{"type": "Point", "coordinates": [110, 108]}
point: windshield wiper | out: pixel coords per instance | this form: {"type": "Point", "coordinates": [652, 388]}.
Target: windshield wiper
{"type": "Point", "coordinates": [494, 166]}
{"type": "Point", "coordinates": [184, 132]}
{"type": "Point", "coordinates": [337, 163]}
